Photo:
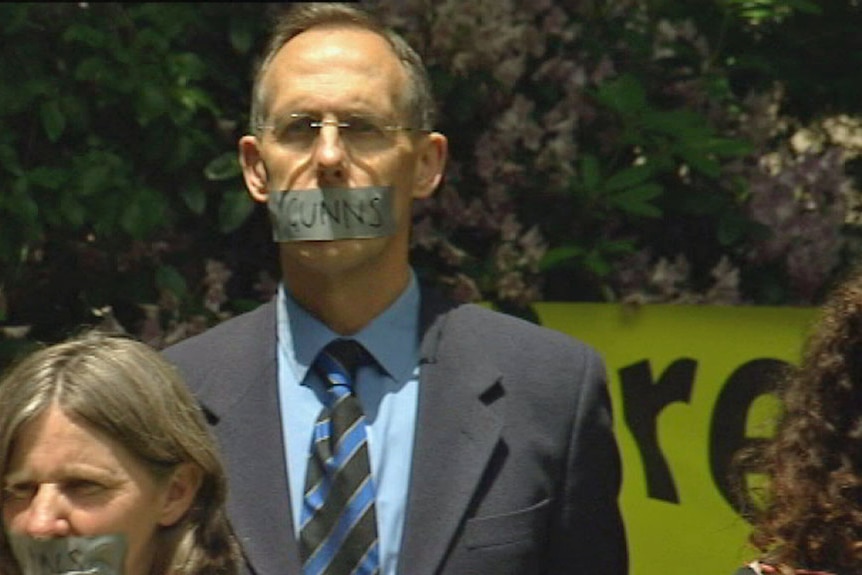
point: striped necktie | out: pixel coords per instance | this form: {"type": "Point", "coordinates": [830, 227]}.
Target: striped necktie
{"type": "Point", "coordinates": [338, 534]}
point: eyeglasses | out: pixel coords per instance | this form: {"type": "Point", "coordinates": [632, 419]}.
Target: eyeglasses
{"type": "Point", "coordinates": [359, 134]}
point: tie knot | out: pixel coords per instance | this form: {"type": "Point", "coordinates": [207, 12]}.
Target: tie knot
{"type": "Point", "coordinates": [337, 362]}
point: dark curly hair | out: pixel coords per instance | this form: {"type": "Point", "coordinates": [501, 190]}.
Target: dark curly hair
{"type": "Point", "coordinates": [812, 516]}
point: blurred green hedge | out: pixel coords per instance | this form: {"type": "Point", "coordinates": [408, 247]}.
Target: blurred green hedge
{"type": "Point", "coordinates": [625, 151]}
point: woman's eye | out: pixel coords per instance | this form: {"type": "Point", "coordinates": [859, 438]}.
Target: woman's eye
{"type": "Point", "coordinates": [19, 491]}
{"type": "Point", "coordinates": [84, 487]}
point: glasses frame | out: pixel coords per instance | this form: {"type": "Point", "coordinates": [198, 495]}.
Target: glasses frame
{"type": "Point", "coordinates": [319, 124]}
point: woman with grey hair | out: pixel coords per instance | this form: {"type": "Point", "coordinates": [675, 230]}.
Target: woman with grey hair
{"type": "Point", "coordinates": [107, 466]}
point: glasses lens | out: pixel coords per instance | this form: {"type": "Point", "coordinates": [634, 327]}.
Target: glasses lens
{"type": "Point", "coordinates": [363, 135]}
{"type": "Point", "coordinates": [297, 132]}
{"type": "Point", "coordinates": [360, 135]}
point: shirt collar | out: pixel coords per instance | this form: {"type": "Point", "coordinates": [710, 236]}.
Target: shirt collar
{"type": "Point", "coordinates": [391, 338]}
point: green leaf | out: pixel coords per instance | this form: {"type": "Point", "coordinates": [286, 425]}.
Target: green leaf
{"type": "Point", "coordinates": [131, 218]}
{"type": "Point", "coordinates": [86, 35]}
{"type": "Point", "coordinates": [94, 178]}
{"type": "Point", "coordinates": [596, 263]}
{"type": "Point", "coordinates": [617, 247]}
{"type": "Point", "coordinates": [145, 210]}
{"type": "Point", "coordinates": [643, 209]}
{"type": "Point", "coordinates": [625, 95]}
{"type": "Point", "coordinates": [168, 278]}
{"type": "Point", "coordinates": [92, 69]}
{"type": "Point", "coordinates": [223, 167]}
{"type": "Point", "coordinates": [629, 177]}
{"type": "Point", "coordinates": [187, 67]}
{"type": "Point", "coordinates": [680, 125]}
{"type": "Point", "coordinates": [73, 212]}
{"type": "Point", "coordinates": [731, 229]}
{"type": "Point", "coordinates": [556, 257]}
{"type": "Point", "coordinates": [642, 193]}
{"type": "Point", "coordinates": [46, 177]}
{"type": "Point", "coordinates": [152, 102]}
{"type": "Point", "coordinates": [241, 37]}
{"type": "Point", "coordinates": [234, 210]}
{"type": "Point", "coordinates": [22, 203]}
{"type": "Point", "coordinates": [725, 147]}
{"type": "Point", "coordinates": [194, 198]}
{"type": "Point", "coordinates": [635, 200]}
{"type": "Point", "coordinates": [804, 6]}
{"type": "Point", "coordinates": [193, 99]}
{"type": "Point", "coordinates": [700, 162]}
{"type": "Point", "coordinates": [9, 160]}
{"type": "Point", "coordinates": [590, 175]}
{"type": "Point", "coordinates": [53, 120]}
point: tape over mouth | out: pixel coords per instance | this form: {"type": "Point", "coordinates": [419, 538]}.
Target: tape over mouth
{"type": "Point", "coordinates": [319, 214]}
{"type": "Point", "coordinates": [94, 555]}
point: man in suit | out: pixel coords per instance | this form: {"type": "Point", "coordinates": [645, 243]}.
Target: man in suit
{"type": "Point", "coordinates": [489, 438]}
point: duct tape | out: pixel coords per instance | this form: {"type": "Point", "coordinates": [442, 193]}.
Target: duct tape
{"type": "Point", "coordinates": [331, 213]}
{"type": "Point", "coordinates": [97, 555]}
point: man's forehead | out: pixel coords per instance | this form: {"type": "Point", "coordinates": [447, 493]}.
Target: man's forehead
{"type": "Point", "coordinates": [318, 65]}
{"type": "Point", "coordinates": [332, 44]}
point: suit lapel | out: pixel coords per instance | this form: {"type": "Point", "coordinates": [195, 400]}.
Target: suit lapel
{"type": "Point", "coordinates": [258, 501]}
{"type": "Point", "coordinates": [456, 435]}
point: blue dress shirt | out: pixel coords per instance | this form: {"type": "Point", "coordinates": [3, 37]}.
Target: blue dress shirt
{"type": "Point", "coordinates": [389, 396]}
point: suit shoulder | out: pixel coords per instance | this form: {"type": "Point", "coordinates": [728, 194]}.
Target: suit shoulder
{"type": "Point", "coordinates": [487, 319]}
{"type": "Point", "coordinates": [492, 325]}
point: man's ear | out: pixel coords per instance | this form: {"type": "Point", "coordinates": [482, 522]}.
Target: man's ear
{"type": "Point", "coordinates": [253, 168]}
{"type": "Point", "coordinates": [180, 493]}
{"type": "Point", "coordinates": [430, 164]}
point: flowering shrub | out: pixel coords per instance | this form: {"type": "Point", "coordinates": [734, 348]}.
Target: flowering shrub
{"type": "Point", "coordinates": [601, 154]}
{"type": "Point", "coordinates": [627, 150]}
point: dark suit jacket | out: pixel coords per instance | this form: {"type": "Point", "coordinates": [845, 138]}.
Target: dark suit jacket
{"type": "Point", "coordinates": [515, 467]}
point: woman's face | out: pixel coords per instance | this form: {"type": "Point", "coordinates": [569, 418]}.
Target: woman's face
{"type": "Point", "coordinates": [67, 479]}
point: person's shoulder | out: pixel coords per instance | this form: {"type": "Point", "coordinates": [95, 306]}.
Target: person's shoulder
{"type": "Point", "coordinates": [489, 321]}
{"type": "Point", "coordinates": [481, 328]}
{"type": "Point", "coordinates": [514, 342]}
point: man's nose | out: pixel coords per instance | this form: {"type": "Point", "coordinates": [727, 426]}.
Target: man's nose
{"type": "Point", "coordinates": [330, 156]}
{"type": "Point", "coordinates": [47, 515]}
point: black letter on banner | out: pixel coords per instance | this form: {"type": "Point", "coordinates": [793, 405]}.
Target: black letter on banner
{"type": "Point", "coordinates": [642, 402]}
{"type": "Point", "coordinates": [727, 430]}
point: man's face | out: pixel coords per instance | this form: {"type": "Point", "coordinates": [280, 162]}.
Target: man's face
{"type": "Point", "coordinates": [338, 74]}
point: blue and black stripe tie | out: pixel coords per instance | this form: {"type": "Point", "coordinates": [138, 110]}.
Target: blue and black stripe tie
{"type": "Point", "coordinates": [338, 534]}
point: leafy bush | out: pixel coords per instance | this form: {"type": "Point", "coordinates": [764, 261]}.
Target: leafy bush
{"type": "Point", "coordinates": [612, 151]}
{"type": "Point", "coordinates": [116, 129]}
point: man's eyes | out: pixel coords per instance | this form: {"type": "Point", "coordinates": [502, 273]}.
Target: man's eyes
{"type": "Point", "coordinates": [364, 126]}
{"type": "Point", "coordinates": [309, 126]}
{"type": "Point", "coordinates": [299, 127]}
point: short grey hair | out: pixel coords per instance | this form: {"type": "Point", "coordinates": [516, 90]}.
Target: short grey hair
{"type": "Point", "coordinates": [418, 100]}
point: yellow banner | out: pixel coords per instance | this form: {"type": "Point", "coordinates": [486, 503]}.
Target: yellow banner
{"type": "Point", "coordinates": [690, 385]}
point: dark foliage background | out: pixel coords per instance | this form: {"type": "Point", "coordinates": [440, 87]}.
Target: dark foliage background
{"type": "Point", "coordinates": [636, 151]}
